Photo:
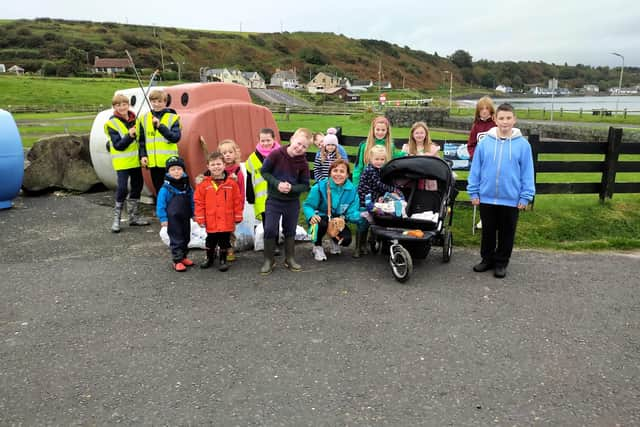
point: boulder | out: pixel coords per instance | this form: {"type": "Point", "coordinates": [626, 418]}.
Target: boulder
{"type": "Point", "coordinates": [61, 161]}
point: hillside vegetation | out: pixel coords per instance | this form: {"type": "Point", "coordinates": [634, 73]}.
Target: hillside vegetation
{"type": "Point", "coordinates": [54, 47]}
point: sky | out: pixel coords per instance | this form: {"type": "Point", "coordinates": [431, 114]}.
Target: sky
{"type": "Point", "coordinates": [559, 32]}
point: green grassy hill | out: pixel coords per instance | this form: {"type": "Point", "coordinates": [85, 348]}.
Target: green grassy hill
{"type": "Point", "coordinates": [62, 48]}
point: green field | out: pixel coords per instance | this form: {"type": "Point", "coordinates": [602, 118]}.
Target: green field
{"type": "Point", "coordinates": [573, 222]}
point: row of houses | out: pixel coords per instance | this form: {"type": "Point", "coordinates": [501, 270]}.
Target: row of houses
{"type": "Point", "coordinates": [14, 69]}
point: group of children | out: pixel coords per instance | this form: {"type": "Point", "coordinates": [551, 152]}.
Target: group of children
{"type": "Point", "coordinates": [500, 181]}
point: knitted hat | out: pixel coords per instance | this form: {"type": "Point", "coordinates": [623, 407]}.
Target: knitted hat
{"type": "Point", "coordinates": [174, 161]}
{"type": "Point", "coordinates": [330, 137]}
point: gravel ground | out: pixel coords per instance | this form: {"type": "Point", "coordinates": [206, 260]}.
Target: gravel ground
{"type": "Point", "coordinates": [96, 329]}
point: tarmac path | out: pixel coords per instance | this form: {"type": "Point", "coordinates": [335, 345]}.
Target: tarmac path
{"type": "Point", "coordinates": [96, 329]}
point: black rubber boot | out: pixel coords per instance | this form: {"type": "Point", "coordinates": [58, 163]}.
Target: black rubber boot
{"type": "Point", "coordinates": [356, 250]}
{"type": "Point", "coordinates": [364, 244]}
{"type": "Point", "coordinates": [289, 253]}
{"type": "Point", "coordinates": [269, 261]}
{"type": "Point", "coordinates": [224, 266]}
{"type": "Point", "coordinates": [211, 256]}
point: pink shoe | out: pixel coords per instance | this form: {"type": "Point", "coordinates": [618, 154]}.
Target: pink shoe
{"type": "Point", "coordinates": [179, 267]}
{"type": "Point", "coordinates": [187, 262]}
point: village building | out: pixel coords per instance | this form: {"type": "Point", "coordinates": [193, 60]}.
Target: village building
{"type": "Point", "coordinates": [286, 79]}
{"type": "Point", "coordinates": [18, 70]}
{"type": "Point", "coordinates": [110, 65]}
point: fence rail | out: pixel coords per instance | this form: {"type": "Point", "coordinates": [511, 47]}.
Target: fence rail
{"type": "Point", "coordinates": [48, 108]}
{"type": "Point", "coordinates": [611, 149]}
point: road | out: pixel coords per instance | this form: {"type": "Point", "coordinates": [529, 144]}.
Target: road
{"type": "Point", "coordinates": [276, 97]}
{"type": "Point", "coordinates": [98, 330]}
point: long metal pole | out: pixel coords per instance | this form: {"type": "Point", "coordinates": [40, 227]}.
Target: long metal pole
{"type": "Point", "coordinates": [450, 88]}
{"type": "Point", "coordinates": [620, 82]}
{"type": "Point", "coordinates": [135, 71]}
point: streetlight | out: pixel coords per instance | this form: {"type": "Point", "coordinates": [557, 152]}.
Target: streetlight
{"type": "Point", "coordinates": [179, 69]}
{"type": "Point", "coordinates": [620, 82]}
{"type": "Point", "coordinates": [450, 86]}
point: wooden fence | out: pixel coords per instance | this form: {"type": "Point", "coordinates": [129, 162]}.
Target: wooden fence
{"type": "Point", "coordinates": [611, 149]}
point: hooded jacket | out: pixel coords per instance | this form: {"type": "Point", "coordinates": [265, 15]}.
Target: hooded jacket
{"type": "Point", "coordinates": [171, 188]}
{"type": "Point", "coordinates": [218, 205]}
{"type": "Point", "coordinates": [344, 201]}
{"type": "Point", "coordinates": [478, 131]}
{"type": "Point", "coordinates": [502, 170]}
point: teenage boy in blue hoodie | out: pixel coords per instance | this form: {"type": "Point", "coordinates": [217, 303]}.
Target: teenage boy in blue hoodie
{"type": "Point", "coordinates": [501, 182]}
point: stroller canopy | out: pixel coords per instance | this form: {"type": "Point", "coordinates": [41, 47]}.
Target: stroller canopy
{"type": "Point", "coordinates": [416, 167]}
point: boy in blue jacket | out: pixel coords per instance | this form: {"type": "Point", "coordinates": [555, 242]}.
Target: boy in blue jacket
{"type": "Point", "coordinates": [501, 183]}
{"type": "Point", "coordinates": [175, 209]}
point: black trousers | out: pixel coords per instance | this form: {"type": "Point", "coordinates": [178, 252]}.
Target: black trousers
{"type": "Point", "coordinates": [135, 174]}
{"type": "Point", "coordinates": [222, 239]}
{"type": "Point", "coordinates": [498, 233]}
{"type": "Point", "coordinates": [157, 178]}
{"type": "Point", "coordinates": [323, 225]}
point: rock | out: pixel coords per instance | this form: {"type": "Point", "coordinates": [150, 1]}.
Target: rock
{"type": "Point", "coordinates": [61, 161]}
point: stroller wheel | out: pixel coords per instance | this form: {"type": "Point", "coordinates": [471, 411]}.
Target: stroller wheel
{"type": "Point", "coordinates": [374, 246]}
{"type": "Point", "coordinates": [401, 263]}
{"type": "Point", "coordinates": [447, 246]}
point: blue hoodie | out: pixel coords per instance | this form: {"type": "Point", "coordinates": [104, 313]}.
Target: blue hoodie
{"type": "Point", "coordinates": [502, 170]}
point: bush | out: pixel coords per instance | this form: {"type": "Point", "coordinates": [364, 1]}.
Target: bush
{"type": "Point", "coordinates": [137, 41]}
{"type": "Point", "coordinates": [313, 56]}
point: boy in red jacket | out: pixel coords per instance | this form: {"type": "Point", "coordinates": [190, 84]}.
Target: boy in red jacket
{"type": "Point", "coordinates": [218, 206]}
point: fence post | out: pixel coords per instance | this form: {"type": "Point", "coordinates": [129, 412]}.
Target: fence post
{"type": "Point", "coordinates": [614, 141]}
{"type": "Point", "coordinates": [534, 141]}
{"type": "Point", "coordinates": [581, 112]}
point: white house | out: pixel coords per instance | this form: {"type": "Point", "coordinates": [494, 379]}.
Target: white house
{"type": "Point", "coordinates": [286, 79]}
{"type": "Point", "coordinates": [16, 69]}
{"type": "Point", "coordinates": [110, 65]}
{"type": "Point", "coordinates": [254, 80]}
{"type": "Point", "coordinates": [591, 88]}
{"type": "Point", "coordinates": [361, 85]}
{"type": "Point", "coordinates": [219, 75]}
{"type": "Point", "coordinates": [504, 89]}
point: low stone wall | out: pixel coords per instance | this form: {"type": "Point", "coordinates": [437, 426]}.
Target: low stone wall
{"type": "Point", "coordinates": [405, 117]}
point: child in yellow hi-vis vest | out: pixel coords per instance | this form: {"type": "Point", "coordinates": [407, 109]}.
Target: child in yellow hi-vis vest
{"type": "Point", "coordinates": [256, 185]}
{"type": "Point", "coordinates": [159, 131]}
{"type": "Point", "coordinates": [125, 158]}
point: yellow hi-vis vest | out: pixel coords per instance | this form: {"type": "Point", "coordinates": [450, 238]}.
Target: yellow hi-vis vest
{"type": "Point", "coordinates": [158, 148]}
{"type": "Point", "coordinates": [253, 165]}
{"type": "Point", "coordinates": [128, 158]}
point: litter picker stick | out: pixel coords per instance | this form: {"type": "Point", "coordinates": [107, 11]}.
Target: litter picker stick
{"type": "Point", "coordinates": [473, 227]}
{"type": "Point", "coordinates": [137, 77]}
{"type": "Point", "coordinates": [146, 92]}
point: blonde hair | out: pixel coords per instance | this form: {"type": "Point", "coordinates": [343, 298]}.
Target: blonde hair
{"type": "Point", "coordinates": [304, 132]}
{"type": "Point", "coordinates": [371, 139]}
{"type": "Point", "coordinates": [230, 144]}
{"type": "Point", "coordinates": [413, 145]}
{"type": "Point", "coordinates": [378, 149]}
{"type": "Point", "coordinates": [485, 101]}
{"type": "Point", "coordinates": [158, 94]}
{"type": "Point", "coordinates": [119, 99]}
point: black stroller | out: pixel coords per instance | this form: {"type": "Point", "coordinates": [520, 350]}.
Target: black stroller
{"type": "Point", "coordinates": [388, 232]}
